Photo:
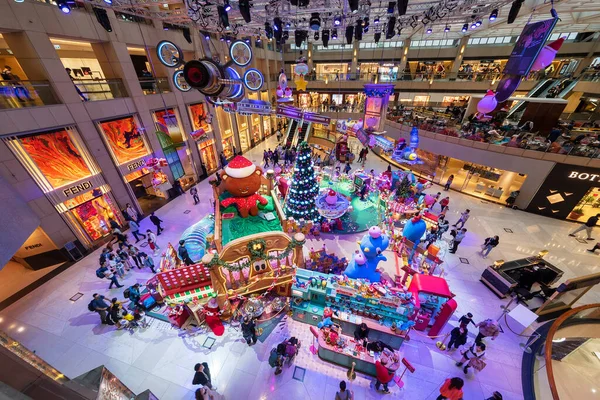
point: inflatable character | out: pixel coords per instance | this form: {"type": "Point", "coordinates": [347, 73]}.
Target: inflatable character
{"type": "Point", "coordinates": [364, 263]}
{"type": "Point", "coordinates": [413, 231]}
{"type": "Point", "coordinates": [242, 180]}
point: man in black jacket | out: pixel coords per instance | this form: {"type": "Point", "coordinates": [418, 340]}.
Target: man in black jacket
{"type": "Point", "coordinates": [183, 253]}
{"type": "Point", "coordinates": [202, 376]}
{"type": "Point", "coordinates": [588, 226]}
{"type": "Point", "coordinates": [249, 331]}
{"type": "Point", "coordinates": [156, 221]}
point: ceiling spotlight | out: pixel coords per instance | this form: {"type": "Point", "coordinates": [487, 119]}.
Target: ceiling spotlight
{"type": "Point", "coordinates": [494, 14]}
{"type": "Point", "coordinates": [223, 17]}
{"type": "Point", "coordinates": [245, 10]}
{"type": "Point", "coordinates": [514, 11]}
{"type": "Point", "coordinates": [377, 37]}
{"type": "Point", "coordinates": [287, 24]}
{"type": "Point", "coordinates": [285, 36]}
{"type": "Point", "coordinates": [429, 30]}
{"type": "Point", "coordinates": [227, 6]}
{"type": "Point", "coordinates": [222, 39]}
{"type": "Point", "coordinates": [376, 20]}
{"type": "Point", "coordinates": [247, 40]}
{"type": "Point", "coordinates": [63, 6]}
{"type": "Point", "coordinates": [317, 35]}
{"type": "Point", "coordinates": [478, 23]}
{"type": "Point", "coordinates": [19, 1]}
{"type": "Point", "coordinates": [473, 25]}
{"type": "Point", "coordinates": [553, 12]}
{"type": "Point", "coordinates": [337, 21]}
{"type": "Point", "coordinates": [206, 36]}
{"type": "Point", "coordinates": [391, 6]}
{"type": "Point", "coordinates": [277, 24]}
{"type": "Point", "coordinates": [106, 1]}
{"type": "Point", "coordinates": [366, 25]}
{"type": "Point", "coordinates": [325, 38]}
{"type": "Point", "coordinates": [257, 39]}
{"type": "Point", "coordinates": [358, 30]}
{"type": "Point", "coordinates": [465, 28]}
{"type": "Point", "coordinates": [402, 7]}
{"type": "Point", "coordinates": [349, 33]}
{"type": "Point", "coordinates": [315, 21]}
{"type": "Point", "coordinates": [391, 31]}
{"type": "Point", "coordinates": [268, 30]}
{"type": "Point", "coordinates": [300, 36]}
{"type": "Point", "coordinates": [228, 40]}
{"type": "Point", "coordinates": [447, 29]}
{"type": "Point", "coordinates": [334, 34]}
{"type": "Point", "coordinates": [353, 6]}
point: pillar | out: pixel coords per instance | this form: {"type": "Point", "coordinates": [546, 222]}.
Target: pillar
{"type": "Point", "coordinates": [459, 57]}
{"type": "Point", "coordinates": [404, 58]}
{"type": "Point", "coordinates": [354, 65]}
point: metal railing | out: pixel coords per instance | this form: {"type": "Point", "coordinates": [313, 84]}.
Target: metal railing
{"type": "Point", "coordinates": [568, 143]}
{"type": "Point", "coordinates": [100, 89]}
{"type": "Point", "coordinates": [155, 85]}
{"type": "Point", "coordinates": [20, 94]}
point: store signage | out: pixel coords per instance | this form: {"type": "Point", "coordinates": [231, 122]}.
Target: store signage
{"type": "Point", "coordinates": [290, 112]}
{"type": "Point", "coordinates": [345, 291]}
{"type": "Point", "coordinates": [363, 137]}
{"type": "Point", "coordinates": [583, 176]}
{"type": "Point", "coordinates": [79, 188]}
{"type": "Point", "coordinates": [135, 165]}
{"type": "Point", "coordinates": [38, 242]}
{"type": "Point", "coordinates": [393, 302]}
{"type": "Point", "coordinates": [316, 118]}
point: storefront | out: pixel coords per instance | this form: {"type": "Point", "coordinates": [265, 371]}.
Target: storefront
{"type": "Point", "coordinates": [332, 72]}
{"type": "Point", "coordinates": [266, 120]}
{"type": "Point", "coordinates": [379, 72]}
{"type": "Point", "coordinates": [255, 129]}
{"type": "Point", "coordinates": [424, 70]}
{"type": "Point", "coordinates": [63, 169]}
{"type": "Point", "coordinates": [479, 70]}
{"type": "Point", "coordinates": [204, 136]}
{"type": "Point", "coordinates": [226, 130]}
{"type": "Point", "coordinates": [243, 132]}
{"type": "Point", "coordinates": [173, 142]}
{"type": "Point", "coordinates": [305, 100]}
{"type": "Point", "coordinates": [569, 192]}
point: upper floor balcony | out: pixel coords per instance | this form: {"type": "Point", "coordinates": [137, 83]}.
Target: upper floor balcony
{"type": "Point", "coordinates": [21, 94]}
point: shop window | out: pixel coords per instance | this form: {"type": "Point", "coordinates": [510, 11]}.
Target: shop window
{"type": "Point", "coordinates": [94, 215]}
{"type": "Point", "coordinates": [124, 139]}
{"type": "Point", "coordinates": [174, 163]}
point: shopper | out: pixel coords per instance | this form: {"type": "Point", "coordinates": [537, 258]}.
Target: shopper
{"type": "Point", "coordinates": [458, 238]}
{"type": "Point", "coordinates": [588, 226]}
{"type": "Point", "coordinates": [343, 393]}
{"type": "Point", "coordinates": [458, 337]}
{"type": "Point", "coordinates": [156, 221]}
{"type": "Point", "coordinates": [194, 193]}
{"type": "Point", "coordinates": [69, 72]}
{"type": "Point", "coordinates": [436, 198]}
{"type": "Point", "coordinates": [462, 220]}
{"type": "Point", "coordinates": [471, 356]}
{"type": "Point", "coordinates": [465, 320]}
{"type": "Point", "coordinates": [361, 334]}
{"type": "Point", "coordinates": [487, 328]}
{"type": "Point", "coordinates": [110, 274]}
{"type": "Point", "coordinates": [495, 396]}
{"type": "Point", "coordinates": [148, 261]}
{"type": "Point", "coordinates": [135, 254]}
{"type": "Point", "coordinates": [135, 230]}
{"type": "Point", "coordinates": [347, 168]}
{"type": "Point", "coordinates": [222, 160]}
{"type": "Point", "coordinates": [101, 307]}
{"type": "Point", "coordinates": [266, 158]}
{"type": "Point", "coordinates": [452, 389]}
{"type": "Point", "coordinates": [249, 331]}
{"type": "Point", "coordinates": [183, 253]}
{"type": "Point", "coordinates": [449, 182]}
{"type": "Point", "coordinates": [133, 294]}
{"type": "Point", "coordinates": [510, 201]}
{"type": "Point", "coordinates": [115, 312]}
{"type": "Point", "coordinates": [202, 376]}
{"type": "Point", "coordinates": [444, 203]}
{"type": "Point", "coordinates": [152, 241]}
{"type": "Point", "coordinates": [132, 213]}
{"type": "Point", "coordinates": [443, 226]}
{"type": "Point", "coordinates": [488, 245]}
{"type": "Point", "coordinates": [383, 376]}
{"type": "Point", "coordinates": [275, 158]}
{"type": "Point", "coordinates": [593, 249]}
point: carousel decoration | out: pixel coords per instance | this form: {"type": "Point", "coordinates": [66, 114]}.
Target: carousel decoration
{"type": "Point", "coordinates": [331, 205]}
{"type": "Point", "coordinates": [220, 83]}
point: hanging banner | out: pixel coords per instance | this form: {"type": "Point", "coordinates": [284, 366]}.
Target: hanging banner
{"type": "Point", "coordinates": [316, 118]}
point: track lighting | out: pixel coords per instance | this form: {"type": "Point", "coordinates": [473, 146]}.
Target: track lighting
{"type": "Point", "coordinates": [465, 28]}
{"type": "Point", "coordinates": [478, 23]}
{"type": "Point", "coordinates": [429, 30]}
{"type": "Point", "coordinates": [334, 34]}
{"type": "Point", "coordinates": [315, 21]}
{"type": "Point", "coordinates": [494, 14]}
{"type": "Point", "coordinates": [447, 29]}
{"type": "Point", "coordinates": [63, 6]}
{"type": "Point", "coordinates": [337, 21]}
{"type": "Point", "coordinates": [227, 6]}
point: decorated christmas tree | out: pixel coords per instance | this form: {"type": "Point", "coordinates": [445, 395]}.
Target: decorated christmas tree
{"type": "Point", "coordinates": [300, 202]}
{"type": "Point", "coordinates": [403, 190]}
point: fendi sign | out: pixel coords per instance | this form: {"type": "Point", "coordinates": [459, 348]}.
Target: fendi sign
{"type": "Point", "coordinates": [81, 187]}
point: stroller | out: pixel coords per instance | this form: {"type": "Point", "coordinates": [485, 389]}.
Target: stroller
{"type": "Point", "coordinates": [284, 353]}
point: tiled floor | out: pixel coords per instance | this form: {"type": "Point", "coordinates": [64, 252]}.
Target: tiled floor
{"type": "Point", "coordinates": [160, 358]}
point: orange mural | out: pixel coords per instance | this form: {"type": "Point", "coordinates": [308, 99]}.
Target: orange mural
{"type": "Point", "coordinates": [124, 139]}
{"type": "Point", "coordinates": [198, 114]}
{"type": "Point", "coordinates": [56, 157]}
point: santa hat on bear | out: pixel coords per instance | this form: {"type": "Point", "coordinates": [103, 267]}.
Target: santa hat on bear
{"type": "Point", "coordinates": [240, 167]}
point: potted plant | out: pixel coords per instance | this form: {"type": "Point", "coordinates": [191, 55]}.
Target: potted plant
{"type": "Point", "coordinates": [576, 213]}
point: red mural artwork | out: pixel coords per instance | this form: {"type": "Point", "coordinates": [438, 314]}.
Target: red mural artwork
{"type": "Point", "coordinates": [124, 139]}
{"type": "Point", "coordinates": [198, 114]}
{"type": "Point", "coordinates": [56, 156]}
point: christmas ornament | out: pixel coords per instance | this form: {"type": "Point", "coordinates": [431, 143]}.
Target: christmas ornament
{"type": "Point", "coordinates": [547, 54]}
{"type": "Point", "coordinates": [488, 103]}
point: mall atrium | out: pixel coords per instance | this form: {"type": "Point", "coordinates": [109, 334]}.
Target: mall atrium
{"type": "Point", "coordinates": [300, 199]}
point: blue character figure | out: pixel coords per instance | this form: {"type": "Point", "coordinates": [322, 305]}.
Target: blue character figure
{"type": "Point", "coordinates": [414, 139]}
{"type": "Point", "coordinates": [413, 231]}
{"type": "Point", "coordinates": [364, 263]}
{"type": "Point", "coordinates": [326, 323]}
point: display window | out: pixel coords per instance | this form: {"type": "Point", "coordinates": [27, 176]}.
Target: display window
{"type": "Point", "coordinates": [228, 147]}
{"type": "Point", "coordinates": [243, 131]}
{"type": "Point", "coordinates": [256, 134]}
{"type": "Point", "coordinates": [332, 71]}
{"type": "Point", "coordinates": [388, 73]}
{"type": "Point", "coordinates": [171, 139]}
{"type": "Point", "coordinates": [481, 69]}
{"type": "Point", "coordinates": [166, 121]}
{"type": "Point", "coordinates": [455, 100]}
{"type": "Point", "coordinates": [56, 156]}
{"type": "Point", "coordinates": [198, 116]}
{"type": "Point", "coordinates": [209, 155]}
{"type": "Point", "coordinates": [421, 100]}
{"type": "Point", "coordinates": [337, 98]}
{"type": "Point", "coordinates": [124, 139]}
{"type": "Point", "coordinates": [267, 126]}
{"type": "Point", "coordinates": [587, 207]}
{"type": "Point", "coordinates": [304, 100]}
{"type": "Point", "coordinates": [93, 215]}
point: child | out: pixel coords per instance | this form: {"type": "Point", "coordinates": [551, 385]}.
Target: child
{"type": "Point", "coordinates": [458, 337]}
{"type": "Point", "coordinates": [139, 318]}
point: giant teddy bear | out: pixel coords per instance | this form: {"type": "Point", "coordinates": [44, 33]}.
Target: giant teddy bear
{"type": "Point", "coordinates": [242, 180]}
{"type": "Point", "coordinates": [364, 263]}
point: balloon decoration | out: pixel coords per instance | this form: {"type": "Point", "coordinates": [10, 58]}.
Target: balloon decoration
{"type": "Point", "coordinates": [547, 54]}
{"type": "Point", "coordinates": [488, 103]}
{"type": "Point", "coordinates": [283, 92]}
{"type": "Point", "coordinates": [414, 229]}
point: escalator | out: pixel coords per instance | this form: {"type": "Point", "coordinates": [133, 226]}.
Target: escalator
{"type": "Point", "coordinates": [289, 137]}
{"type": "Point", "coordinates": [542, 90]}
{"type": "Point", "coordinates": [303, 133]}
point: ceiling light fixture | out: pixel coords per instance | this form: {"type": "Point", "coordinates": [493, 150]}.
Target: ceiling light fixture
{"type": "Point", "coordinates": [245, 10]}
{"type": "Point", "coordinates": [268, 30]}
{"type": "Point", "coordinates": [325, 38]}
{"type": "Point", "coordinates": [465, 28]}
{"type": "Point", "coordinates": [63, 6]}
{"type": "Point", "coordinates": [376, 20]}
{"type": "Point", "coordinates": [337, 21]}
{"type": "Point", "coordinates": [349, 33]}
{"type": "Point", "coordinates": [429, 30]}
{"type": "Point", "coordinates": [494, 14]}
{"type": "Point", "coordinates": [366, 25]}
{"type": "Point", "coordinates": [353, 6]}
{"type": "Point", "coordinates": [447, 29]}
{"type": "Point", "coordinates": [334, 34]}
{"type": "Point", "coordinates": [391, 7]}
{"type": "Point", "coordinates": [227, 6]}
{"type": "Point", "coordinates": [478, 23]}
{"type": "Point", "coordinates": [315, 21]}
{"type": "Point", "coordinates": [473, 26]}
{"type": "Point", "coordinates": [358, 30]}
{"type": "Point", "coordinates": [377, 37]}
{"type": "Point", "coordinates": [316, 35]}
{"type": "Point", "coordinates": [391, 31]}
{"type": "Point", "coordinates": [206, 35]}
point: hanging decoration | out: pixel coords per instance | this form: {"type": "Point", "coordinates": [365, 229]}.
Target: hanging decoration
{"type": "Point", "coordinates": [300, 70]}
{"type": "Point", "coordinates": [547, 54]}
{"type": "Point", "coordinates": [488, 103]}
{"type": "Point", "coordinates": [283, 92]}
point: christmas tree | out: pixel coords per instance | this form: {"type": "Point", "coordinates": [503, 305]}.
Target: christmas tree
{"type": "Point", "coordinates": [403, 190]}
{"type": "Point", "coordinates": [300, 202]}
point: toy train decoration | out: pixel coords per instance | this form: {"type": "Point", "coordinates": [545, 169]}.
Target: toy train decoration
{"type": "Point", "coordinates": [220, 83]}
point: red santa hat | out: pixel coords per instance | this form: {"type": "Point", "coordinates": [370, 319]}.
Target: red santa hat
{"type": "Point", "coordinates": [556, 44]}
{"type": "Point", "coordinates": [240, 167]}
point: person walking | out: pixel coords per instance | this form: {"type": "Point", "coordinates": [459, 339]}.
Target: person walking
{"type": "Point", "coordinates": [487, 328]}
{"type": "Point", "coordinates": [458, 337]}
{"type": "Point", "coordinates": [436, 198]}
{"type": "Point", "coordinates": [443, 226]}
{"type": "Point", "coordinates": [588, 226]}
{"type": "Point", "coordinates": [249, 331]}
{"type": "Point", "coordinates": [444, 203]}
{"type": "Point", "coordinates": [148, 261]}
{"type": "Point", "coordinates": [202, 376]}
{"type": "Point", "coordinates": [222, 160]}
{"type": "Point", "coordinates": [464, 217]}
{"type": "Point", "coordinates": [465, 320]}
{"type": "Point", "coordinates": [132, 213]}
{"type": "Point", "coordinates": [194, 193]}
{"type": "Point", "coordinates": [101, 307]}
{"type": "Point", "coordinates": [448, 182]}
{"type": "Point", "coordinates": [152, 241]}
{"type": "Point", "coordinates": [343, 393]}
{"type": "Point", "coordinates": [135, 230]}
{"type": "Point", "coordinates": [275, 157]}
{"type": "Point", "coordinates": [458, 238]}
{"type": "Point", "coordinates": [110, 273]}
{"type": "Point", "coordinates": [266, 158]}
{"type": "Point", "coordinates": [347, 168]}
{"type": "Point", "coordinates": [469, 356]}
{"type": "Point", "coordinates": [183, 253]}
{"type": "Point", "coordinates": [156, 221]}
{"type": "Point", "coordinates": [488, 245]}
{"type": "Point", "coordinates": [593, 249]}
{"type": "Point", "coordinates": [134, 253]}
{"type": "Point", "coordinates": [451, 389]}
{"type": "Point", "coordinates": [383, 376]}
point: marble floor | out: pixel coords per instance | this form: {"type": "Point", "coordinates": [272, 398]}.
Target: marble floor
{"type": "Point", "coordinates": [160, 358]}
